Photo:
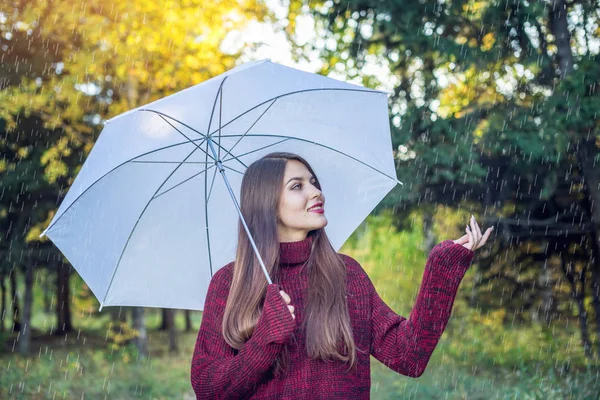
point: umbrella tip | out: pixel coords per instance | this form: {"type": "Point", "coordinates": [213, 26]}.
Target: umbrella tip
{"type": "Point", "coordinates": [43, 234]}
{"type": "Point", "coordinates": [397, 181]}
{"type": "Point", "coordinates": [101, 305]}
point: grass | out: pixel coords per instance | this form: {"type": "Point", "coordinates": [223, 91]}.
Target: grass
{"type": "Point", "coordinates": [82, 368]}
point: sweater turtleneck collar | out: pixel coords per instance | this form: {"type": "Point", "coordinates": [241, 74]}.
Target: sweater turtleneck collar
{"type": "Point", "coordinates": [295, 252]}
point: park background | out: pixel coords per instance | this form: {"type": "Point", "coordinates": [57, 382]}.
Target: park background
{"type": "Point", "coordinates": [494, 112]}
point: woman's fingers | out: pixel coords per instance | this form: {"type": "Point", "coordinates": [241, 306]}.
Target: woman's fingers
{"type": "Point", "coordinates": [474, 239]}
{"type": "Point", "coordinates": [473, 231]}
{"type": "Point", "coordinates": [285, 297]}
{"type": "Point", "coordinates": [287, 301]}
{"type": "Point", "coordinates": [471, 242]}
{"type": "Point", "coordinates": [476, 225]}
{"type": "Point", "coordinates": [480, 233]}
{"type": "Point", "coordinates": [479, 239]}
{"type": "Point", "coordinates": [487, 234]}
{"type": "Point", "coordinates": [476, 231]}
{"type": "Point", "coordinates": [462, 240]}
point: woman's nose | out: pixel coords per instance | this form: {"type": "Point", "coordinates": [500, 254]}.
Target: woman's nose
{"type": "Point", "coordinates": [317, 194]}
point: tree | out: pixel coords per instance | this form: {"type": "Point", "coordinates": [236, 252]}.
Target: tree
{"type": "Point", "coordinates": [494, 104]}
{"type": "Point", "coordinates": [66, 78]}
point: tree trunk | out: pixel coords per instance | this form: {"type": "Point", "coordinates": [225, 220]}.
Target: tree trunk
{"type": "Point", "coordinates": [25, 333]}
{"type": "Point", "coordinates": [428, 233]}
{"type": "Point", "coordinates": [579, 296]}
{"type": "Point", "coordinates": [587, 155]}
{"type": "Point", "coordinates": [63, 309]}
{"type": "Point", "coordinates": [15, 301]}
{"type": "Point", "coordinates": [188, 321]}
{"type": "Point", "coordinates": [172, 330]}
{"type": "Point", "coordinates": [139, 324]}
{"type": "Point", "coordinates": [48, 292]}
{"type": "Point", "coordinates": [559, 27]}
{"type": "Point", "coordinates": [164, 324]}
{"type": "Point", "coordinates": [3, 302]}
{"type": "Point", "coordinates": [587, 151]}
{"type": "Point", "coordinates": [546, 285]}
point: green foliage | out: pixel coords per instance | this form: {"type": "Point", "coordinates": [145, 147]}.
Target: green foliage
{"type": "Point", "coordinates": [478, 87]}
{"type": "Point", "coordinates": [392, 259]}
{"type": "Point", "coordinates": [494, 108]}
{"type": "Point", "coordinates": [119, 337]}
{"type": "Point", "coordinates": [474, 338]}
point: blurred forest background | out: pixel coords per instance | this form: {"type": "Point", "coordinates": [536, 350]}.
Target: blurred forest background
{"type": "Point", "coordinates": [494, 112]}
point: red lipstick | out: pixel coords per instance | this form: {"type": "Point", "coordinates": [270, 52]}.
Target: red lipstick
{"type": "Point", "coordinates": [319, 210]}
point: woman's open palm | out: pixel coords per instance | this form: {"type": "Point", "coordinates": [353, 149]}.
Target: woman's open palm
{"type": "Point", "coordinates": [474, 239]}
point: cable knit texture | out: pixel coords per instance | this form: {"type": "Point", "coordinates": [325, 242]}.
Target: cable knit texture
{"type": "Point", "coordinates": [404, 345]}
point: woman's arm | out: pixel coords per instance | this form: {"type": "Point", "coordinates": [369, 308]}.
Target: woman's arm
{"type": "Point", "coordinates": [217, 371]}
{"type": "Point", "coordinates": [405, 345]}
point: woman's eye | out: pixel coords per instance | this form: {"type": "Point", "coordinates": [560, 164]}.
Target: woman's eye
{"type": "Point", "coordinates": [295, 186]}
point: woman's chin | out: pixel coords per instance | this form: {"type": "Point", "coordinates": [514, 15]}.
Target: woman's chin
{"type": "Point", "coordinates": [323, 224]}
{"type": "Point", "coordinates": [319, 223]}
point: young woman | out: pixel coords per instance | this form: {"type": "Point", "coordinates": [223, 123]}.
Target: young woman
{"type": "Point", "coordinates": [311, 333]}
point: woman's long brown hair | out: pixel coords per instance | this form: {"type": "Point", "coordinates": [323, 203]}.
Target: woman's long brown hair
{"type": "Point", "coordinates": [327, 323]}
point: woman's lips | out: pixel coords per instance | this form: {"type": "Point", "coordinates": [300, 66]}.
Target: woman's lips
{"type": "Point", "coordinates": [317, 210]}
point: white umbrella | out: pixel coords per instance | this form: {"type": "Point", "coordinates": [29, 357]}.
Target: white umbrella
{"type": "Point", "coordinates": [147, 222]}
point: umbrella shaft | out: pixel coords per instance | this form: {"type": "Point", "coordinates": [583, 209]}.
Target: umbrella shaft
{"type": "Point", "coordinates": [219, 165]}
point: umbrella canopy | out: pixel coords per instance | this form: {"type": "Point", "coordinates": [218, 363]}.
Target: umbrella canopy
{"type": "Point", "coordinates": [147, 221]}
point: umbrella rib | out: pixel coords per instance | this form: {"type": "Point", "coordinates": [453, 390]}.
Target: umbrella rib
{"type": "Point", "coordinates": [136, 224]}
{"type": "Point", "coordinates": [212, 184]}
{"type": "Point", "coordinates": [206, 214]}
{"type": "Point", "coordinates": [207, 199]}
{"type": "Point", "coordinates": [255, 150]}
{"type": "Point", "coordinates": [212, 113]}
{"type": "Point", "coordinates": [182, 182]}
{"type": "Point", "coordinates": [236, 158]}
{"type": "Point", "coordinates": [293, 93]}
{"type": "Point", "coordinates": [112, 170]}
{"type": "Point", "coordinates": [168, 162]}
{"type": "Point", "coordinates": [181, 133]}
{"type": "Point", "coordinates": [220, 120]}
{"type": "Point", "coordinates": [207, 195]}
{"type": "Point", "coordinates": [234, 170]}
{"type": "Point", "coordinates": [321, 145]}
{"type": "Point", "coordinates": [248, 130]}
{"type": "Point", "coordinates": [163, 116]}
{"type": "Point", "coordinates": [273, 100]}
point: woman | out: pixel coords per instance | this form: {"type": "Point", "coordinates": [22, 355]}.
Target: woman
{"type": "Point", "coordinates": [310, 334]}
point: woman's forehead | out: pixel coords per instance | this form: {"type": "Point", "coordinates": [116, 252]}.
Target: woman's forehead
{"type": "Point", "coordinates": [295, 168]}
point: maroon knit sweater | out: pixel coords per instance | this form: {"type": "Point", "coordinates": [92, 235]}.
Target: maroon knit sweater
{"type": "Point", "coordinates": [404, 345]}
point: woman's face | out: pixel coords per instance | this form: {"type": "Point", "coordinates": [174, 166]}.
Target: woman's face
{"type": "Point", "coordinates": [297, 214]}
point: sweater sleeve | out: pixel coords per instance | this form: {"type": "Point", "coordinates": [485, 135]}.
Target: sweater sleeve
{"type": "Point", "coordinates": [220, 372]}
{"type": "Point", "coordinates": [405, 345]}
